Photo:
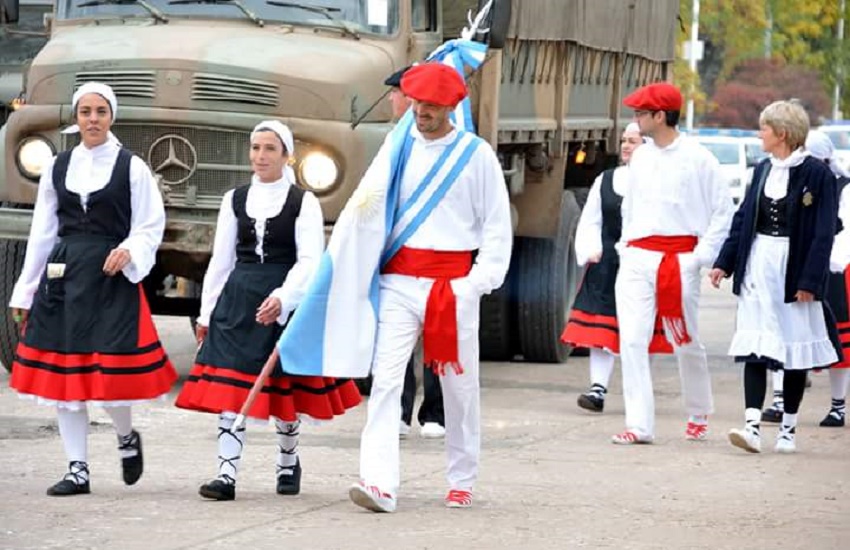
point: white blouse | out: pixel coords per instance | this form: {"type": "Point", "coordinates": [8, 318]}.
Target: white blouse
{"type": "Point", "coordinates": [588, 242]}
{"type": "Point", "coordinates": [89, 170]}
{"type": "Point", "coordinates": [265, 201]}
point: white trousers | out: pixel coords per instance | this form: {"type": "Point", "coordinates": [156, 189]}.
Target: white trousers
{"type": "Point", "coordinates": [400, 319]}
{"type": "Point", "coordinates": [636, 310]}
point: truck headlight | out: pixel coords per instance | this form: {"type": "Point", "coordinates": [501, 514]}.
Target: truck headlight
{"type": "Point", "coordinates": [34, 153]}
{"type": "Point", "coordinates": [318, 171]}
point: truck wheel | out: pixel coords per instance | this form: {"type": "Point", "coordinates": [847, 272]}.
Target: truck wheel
{"type": "Point", "coordinates": [11, 263]}
{"type": "Point", "coordinates": [546, 287]}
{"type": "Point", "coordinates": [495, 337]}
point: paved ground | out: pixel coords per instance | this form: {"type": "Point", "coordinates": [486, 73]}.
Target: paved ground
{"type": "Point", "coordinates": [549, 478]}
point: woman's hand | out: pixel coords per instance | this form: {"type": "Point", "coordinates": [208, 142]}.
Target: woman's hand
{"type": "Point", "coordinates": [269, 311]}
{"type": "Point", "coordinates": [595, 259]}
{"type": "Point", "coordinates": [715, 276]}
{"type": "Point", "coordinates": [201, 333]}
{"type": "Point", "coordinates": [117, 260]}
{"type": "Point", "coordinates": [20, 317]}
{"type": "Point", "coordinates": [804, 296]}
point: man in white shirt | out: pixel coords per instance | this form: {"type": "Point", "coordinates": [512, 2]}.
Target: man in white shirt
{"type": "Point", "coordinates": [452, 200]}
{"type": "Point", "coordinates": [676, 214]}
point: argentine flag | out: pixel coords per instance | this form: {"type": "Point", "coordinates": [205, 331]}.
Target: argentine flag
{"type": "Point", "coordinates": [333, 330]}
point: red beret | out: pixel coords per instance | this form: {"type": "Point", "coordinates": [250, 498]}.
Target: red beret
{"type": "Point", "coordinates": [661, 96]}
{"type": "Point", "coordinates": [434, 83]}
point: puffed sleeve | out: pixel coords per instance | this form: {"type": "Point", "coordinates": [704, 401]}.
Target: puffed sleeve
{"type": "Point", "coordinates": [223, 258]}
{"type": "Point", "coordinates": [43, 234]}
{"type": "Point", "coordinates": [147, 222]}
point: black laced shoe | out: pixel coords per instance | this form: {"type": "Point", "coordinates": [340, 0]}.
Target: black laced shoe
{"type": "Point", "coordinates": [218, 490]}
{"type": "Point", "coordinates": [835, 417]}
{"type": "Point", "coordinates": [290, 484]}
{"type": "Point", "coordinates": [133, 466]}
{"type": "Point", "coordinates": [772, 414]}
{"type": "Point", "coordinates": [75, 482]}
{"type": "Point", "coordinates": [593, 400]}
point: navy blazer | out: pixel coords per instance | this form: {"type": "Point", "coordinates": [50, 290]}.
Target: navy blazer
{"type": "Point", "coordinates": [812, 217]}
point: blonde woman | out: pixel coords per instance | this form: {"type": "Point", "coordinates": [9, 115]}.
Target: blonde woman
{"type": "Point", "coordinates": [778, 252]}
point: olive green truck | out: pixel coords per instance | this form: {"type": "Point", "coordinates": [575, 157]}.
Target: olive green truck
{"type": "Point", "coordinates": [194, 76]}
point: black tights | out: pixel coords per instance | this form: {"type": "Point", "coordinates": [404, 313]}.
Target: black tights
{"type": "Point", "coordinates": [755, 387]}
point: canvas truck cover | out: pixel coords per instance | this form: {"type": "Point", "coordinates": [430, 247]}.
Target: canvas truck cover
{"type": "Point", "coordinates": [642, 27]}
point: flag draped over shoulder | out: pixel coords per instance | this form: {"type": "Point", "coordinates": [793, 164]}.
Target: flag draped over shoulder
{"type": "Point", "coordinates": [333, 330]}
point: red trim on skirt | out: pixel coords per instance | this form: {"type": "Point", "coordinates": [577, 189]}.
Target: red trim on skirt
{"type": "Point", "coordinates": [213, 390]}
{"type": "Point", "coordinates": [844, 338]}
{"type": "Point", "coordinates": [589, 330]}
{"type": "Point", "coordinates": [92, 377]}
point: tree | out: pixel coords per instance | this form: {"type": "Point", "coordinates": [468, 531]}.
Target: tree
{"type": "Point", "coordinates": [756, 83]}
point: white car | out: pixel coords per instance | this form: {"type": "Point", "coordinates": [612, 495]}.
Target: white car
{"type": "Point", "coordinates": [737, 156]}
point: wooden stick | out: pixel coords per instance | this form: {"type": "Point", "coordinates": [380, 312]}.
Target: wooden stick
{"type": "Point", "coordinates": [256, 389]}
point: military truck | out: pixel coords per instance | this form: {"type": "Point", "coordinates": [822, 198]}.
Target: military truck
{"type": "Point", "coordinates": [19, 42]}
{"type": "Point", "coordinates": [194, 76]}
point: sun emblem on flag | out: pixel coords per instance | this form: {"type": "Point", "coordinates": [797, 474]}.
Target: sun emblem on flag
{"type": "Point", "coordinates": [367, 200]}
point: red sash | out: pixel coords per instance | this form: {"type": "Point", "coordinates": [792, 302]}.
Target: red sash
{"type": "Point", "coordinates": [669, 280]}
{"type": "Point", "coordinates": [440, 338]}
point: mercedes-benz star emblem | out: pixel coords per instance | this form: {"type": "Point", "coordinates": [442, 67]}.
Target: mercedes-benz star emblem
{"type": "Point", "coordinates": [174, 158]}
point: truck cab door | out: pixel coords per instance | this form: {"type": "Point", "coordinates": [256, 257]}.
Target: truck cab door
{"type": "Point", "coordinates": [427, 24]}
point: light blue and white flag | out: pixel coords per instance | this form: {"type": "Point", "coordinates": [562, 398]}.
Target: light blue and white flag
{"type": "Point", "coordinates": [333, 330]}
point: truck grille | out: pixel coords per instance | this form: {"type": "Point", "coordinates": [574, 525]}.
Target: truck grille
{"type": "Point", "coordinates": [197, 165]}
{"type": "Point", "coordinates": [124, 83]}
{"type": "Point", "coordinates": [211, 87]}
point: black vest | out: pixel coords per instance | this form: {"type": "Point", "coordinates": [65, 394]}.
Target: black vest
{"type": "Point", "coordinates": [279, 245]}
{"type": "Point", "coordinates": [108, 211]}
{"type": "Point", "coordinates": [773, 216]}
{"type": "Point", "coordinates": [612, 218]}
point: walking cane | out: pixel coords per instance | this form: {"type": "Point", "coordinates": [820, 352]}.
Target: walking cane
{"type": "Point", "coordinates": [256, 389]}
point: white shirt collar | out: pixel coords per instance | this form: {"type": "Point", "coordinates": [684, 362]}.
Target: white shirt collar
{"type": "Point", "coordinates": [445, 140]}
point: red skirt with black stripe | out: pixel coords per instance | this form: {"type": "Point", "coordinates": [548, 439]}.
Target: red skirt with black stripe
{"type": "Point", "coordinates": [589, 330]}
{"type": "Point", "coordinates": [837, 293]}
{"type": "Point", "coordinates": [235, 350]}
{"type": "Point", "coordinates": [90, 337]}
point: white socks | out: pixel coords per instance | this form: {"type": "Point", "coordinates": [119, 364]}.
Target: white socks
{"type": "Point", "coordinates": [74, 430]}
{"type": "Point", "coordinates": [230, 445]}
{"type": "Point", "coordinates": [601, 367]}
{"type": "Point", "coordinates": [287, 443]}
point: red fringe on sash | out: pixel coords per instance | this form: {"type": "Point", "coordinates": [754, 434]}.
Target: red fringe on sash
{"type": "Point", "coordinates": [214, 390]}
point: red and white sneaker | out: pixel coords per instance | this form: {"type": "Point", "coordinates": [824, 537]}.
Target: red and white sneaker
{"type": "Point", "coordinates": [458, 499]}
{"type": "Point", "coordinates": [629, 437]}
{"type": "Point", "coordinates": [371, 498]}
{"type": "Point", "coordinates": [696, 432]}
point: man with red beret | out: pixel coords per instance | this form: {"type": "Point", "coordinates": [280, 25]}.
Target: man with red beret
{"type": "Point", "coordinates": [451, 200]}
{"type": "Point", "coordinates": [676, 214]}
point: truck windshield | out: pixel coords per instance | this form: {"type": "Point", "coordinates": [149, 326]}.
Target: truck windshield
{"type": "Point", "coordinates": [361, 16]}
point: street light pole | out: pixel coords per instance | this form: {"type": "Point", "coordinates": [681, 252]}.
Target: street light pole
{"type": "Point", "coordinates": [693, 63]}
{"type": "Point", "coordinates": [839, 74]}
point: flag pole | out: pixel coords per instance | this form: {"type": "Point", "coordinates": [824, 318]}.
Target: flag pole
{"type": "Point", "coordinates": [256, 389]}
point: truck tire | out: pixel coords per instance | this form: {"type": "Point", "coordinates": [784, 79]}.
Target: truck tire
{"type": "Point", "coordinates": [11, 263]}
{"type": "Point", "coordinates": [495, 337]}
{"type": "Point", "coordinates": [547, 278]}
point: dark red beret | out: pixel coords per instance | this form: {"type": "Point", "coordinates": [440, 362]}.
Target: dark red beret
{"type": "Point", "coordinates": [660, 96]}
{"type": "Point", "coordinates": [434, 83]}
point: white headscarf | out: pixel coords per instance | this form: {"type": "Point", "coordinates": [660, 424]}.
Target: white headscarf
{"type": "Point", "coordinates": [106, 93]}
{"type": "Point", "coordinates": [820, 146]}
{"type": "Point", "coordinates": [285, 134]}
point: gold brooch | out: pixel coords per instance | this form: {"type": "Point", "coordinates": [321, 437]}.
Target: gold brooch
{"type": "Point", "coordinates": [807, 199]}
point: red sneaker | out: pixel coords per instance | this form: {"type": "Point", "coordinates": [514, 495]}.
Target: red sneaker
{"type": "Point", "coordinates": [696, 432]}
{"type": "Point", "coordinates": [629, 437]}
{"type": "Point", "coordinates": [458, 499]}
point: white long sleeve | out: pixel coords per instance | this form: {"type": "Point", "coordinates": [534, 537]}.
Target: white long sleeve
{"type": "Point", "coordinates": [43, 234]}
{"type": "Point", "coordinates": [90, 170]}
{"type": "Point", "coordinates": [840, 256]}
{"type": "Point", "coordinates": [147, 222]}
{"type": "Point", "coordinates": [310, 243]}
{"type": "Point", "coordinates": [588, 241]}
{"type": "Point", "coordinates": [223, 258]}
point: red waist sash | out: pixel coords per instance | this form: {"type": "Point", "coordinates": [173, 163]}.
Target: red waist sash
{"type": "Point", "coordinates": [669, 280]}
{"type": "Point", "coordinates": [440, 338]}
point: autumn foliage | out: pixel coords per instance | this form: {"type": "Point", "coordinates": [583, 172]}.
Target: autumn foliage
{"type": "Point", "coordinates": [754, 84]}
